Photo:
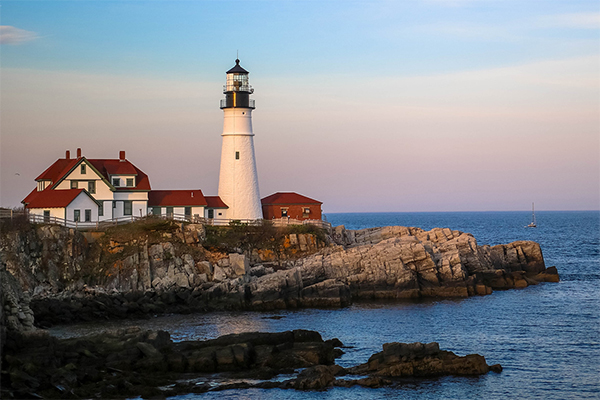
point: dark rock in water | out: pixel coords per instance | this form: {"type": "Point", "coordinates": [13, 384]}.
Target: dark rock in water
{"type": "Point", "coordinates": [131, 362]}
{"type": "Point", "coordinates": [420, 360]}
{"type": "Point", "coordinates": [313, 378]}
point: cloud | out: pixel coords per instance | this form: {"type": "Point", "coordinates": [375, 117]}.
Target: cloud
{"type": "Point", "coordinates": [572, 20]}
{"type": "Point", "coordinates": [11, 35]}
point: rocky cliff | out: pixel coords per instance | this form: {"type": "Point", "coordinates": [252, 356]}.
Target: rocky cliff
{"type": "Point", "coordinates": [140, 270]}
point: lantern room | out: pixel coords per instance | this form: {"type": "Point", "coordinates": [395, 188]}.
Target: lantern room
{"type": "Point", "coordinates": [237, 89]}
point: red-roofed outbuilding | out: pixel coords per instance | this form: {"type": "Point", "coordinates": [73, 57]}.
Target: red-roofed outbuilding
{"type": "Point", "coordinates": [290, 205]}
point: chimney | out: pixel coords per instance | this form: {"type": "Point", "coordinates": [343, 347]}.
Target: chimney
{"type": "Point", "coordinates": [122, 155]}
{"type": "Point", "coordinates": [78, 152]}
{"type": "Point", "coordinates": [68, 155]}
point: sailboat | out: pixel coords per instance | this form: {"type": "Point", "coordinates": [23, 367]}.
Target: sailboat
{"type": "Point", "coordinates": [532, 224]}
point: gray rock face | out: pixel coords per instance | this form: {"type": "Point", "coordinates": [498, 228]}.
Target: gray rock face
{"type": "Point", "coordinates": [174, 276]}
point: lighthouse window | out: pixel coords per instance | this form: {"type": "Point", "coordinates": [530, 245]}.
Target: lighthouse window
{"type": "Point", "coordinates": [237, 155]}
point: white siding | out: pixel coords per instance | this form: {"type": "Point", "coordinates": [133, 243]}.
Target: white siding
{"type": "Point", "coordinates": [122, 180]}
{"type": "Point", "coordinates": [54, 212]}
{"type": "Point", "coordinates": [82, 203]}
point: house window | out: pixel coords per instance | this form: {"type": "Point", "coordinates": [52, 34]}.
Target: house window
{"type": "Point", "coordinates": [127, 207]}
{"type": "Point", "coordinates": [114, 204]}
{"type": "Point", "coordinates": [74, 185]}
{"type": "Point", "coordinates": [156, 210]}
{"type": "Point", "coordinates": [47, 216]}
{"type": "Point", "coordinates": [116, 182]}
{"type": "Point", "coordinates": [284, 213]}
{"type": "Point", "coordinates": [92, 187]}
{"type": "Point", "coordinates": [88, 215]}
{"type": "Point", "coordinates": [129, 182]}
{"type": "Point", "coordinates": [237, 155]}
{"type": "Point", "coordinates": [211, 214]}
{"type": "Point", "coordinates": [83, 169]}
{"type": "Point", "coordinates": [76, 215]}
{"type": "Point", "coordinates": [188, 212]}
{"type": "Point", "coordinates": [169, 211]}
{"type": "Point", "coordinates": [305, 212]}
{"type": "Point", "coordinates": [101, 209]}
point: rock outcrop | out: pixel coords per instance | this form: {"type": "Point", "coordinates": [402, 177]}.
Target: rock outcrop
{"type": "Point", "coordinates": [69, 278]}
{"type": "Point", "coordinates": [131, 362]}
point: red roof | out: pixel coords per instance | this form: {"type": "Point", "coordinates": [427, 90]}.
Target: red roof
{"type": "Point", "coordinates": [176, 198]}
{"type": "Point", "coordinates": [57, 170]}
{"type": "Point", "coordinates": [105, 167]}
{"type": "Point", "coordinates": [114, 167]}
{"type": "Point", "coordinates": [288, 198]}
{"type": "Point", "coordinates": [30, 196]}
{"type": "Point", "coordinates": [52, 198]}
{"type": "Point", "coordinates": [215, 202]}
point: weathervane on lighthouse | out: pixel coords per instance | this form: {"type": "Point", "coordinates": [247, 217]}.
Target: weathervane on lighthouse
{"type": "Point", "coordinates": [238, 179]}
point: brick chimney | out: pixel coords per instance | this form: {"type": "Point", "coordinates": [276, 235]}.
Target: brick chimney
{"type": "Point", "coordinates": [79, 152]}
{"type": "Point", "coordinates": [68, 155]}
{"type": "Point", "coordinates": [122, 155]}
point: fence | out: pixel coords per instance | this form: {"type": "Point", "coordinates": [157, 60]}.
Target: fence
{"type": "Point", "coordinates": [41, 219]}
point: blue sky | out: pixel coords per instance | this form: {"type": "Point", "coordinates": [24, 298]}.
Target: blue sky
{"type": "Point", "coordinates": [433, 105]}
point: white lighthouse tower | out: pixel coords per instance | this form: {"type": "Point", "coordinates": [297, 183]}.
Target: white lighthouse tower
{"type": "Point", "coordinates": [238, 180]}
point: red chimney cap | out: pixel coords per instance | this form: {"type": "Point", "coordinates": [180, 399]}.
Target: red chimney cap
{"type": "Point", "coordinates": [122, 155]}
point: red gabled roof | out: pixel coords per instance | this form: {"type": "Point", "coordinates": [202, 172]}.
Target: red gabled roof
{"type": "Point", "coordinates": [109, 167]}
{"type": "Point", "coordinates": [105, 167]}
{"type": "Point", "coordinates": [114, 167]}
{"type": "Point", "coordinates": [176, 198]}
{"type": "Point", "coordinates": [52, 198]}
{"type": "Point", "coordinates": [30, 196]}
{"type": "Point", "coordinates": [215, 202]}
{"type": "Point", "coordinates": [57, 170]}
{"type": "Point", "coordinates": [288, 198]}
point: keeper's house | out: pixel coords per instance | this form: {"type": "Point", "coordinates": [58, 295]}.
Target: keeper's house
{"type": "Point", "coordinates": [290, 205]}
{"type": "Point", "coordinates": [90, 190]}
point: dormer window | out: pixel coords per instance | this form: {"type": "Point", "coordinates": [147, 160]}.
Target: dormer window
{"type": "Point", "coordinates": [129, 182]}
{"type": "Point", "coordinates": [83, 169]}
{"type": "Point", "coordinates": [116, 182]}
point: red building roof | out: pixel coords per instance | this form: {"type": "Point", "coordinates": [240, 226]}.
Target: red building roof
{"type": "Point", "coordinates": [57, 170]}
{"type": "Point", "coordinates": [52, 198]}
{"type": "Point", "coordinates": [288, 198]}
{"type": "Point", "coordinates": [114, 167]}
{"type": "Point", "coordinates": [176, 198]}
{"type": "Point", "coordinates": [215, 202]}
{"type": "Point", "coordinates": [105, 167]}
{"type": "Point", "coordinates": [109, 167]}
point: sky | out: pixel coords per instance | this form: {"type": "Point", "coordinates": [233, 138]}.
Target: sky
{"type": "Point", "coordinates": [367, 106]}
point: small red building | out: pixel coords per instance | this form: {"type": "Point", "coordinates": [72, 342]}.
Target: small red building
{"type": "Point", "coordinates": [290, 205]}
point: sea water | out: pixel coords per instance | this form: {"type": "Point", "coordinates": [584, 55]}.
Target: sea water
{"type": "Point", "coordinates": [546, 337]}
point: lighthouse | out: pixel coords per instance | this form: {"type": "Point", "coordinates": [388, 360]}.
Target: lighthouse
{"type": "Point", "coordinates": [238, 180]}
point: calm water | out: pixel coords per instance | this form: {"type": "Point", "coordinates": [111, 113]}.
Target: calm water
{"type": "Point", "coordinates": [547, 337]}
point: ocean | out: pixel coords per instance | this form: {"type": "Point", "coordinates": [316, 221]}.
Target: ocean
{"type": "Point", "coordinates": [546, 337]}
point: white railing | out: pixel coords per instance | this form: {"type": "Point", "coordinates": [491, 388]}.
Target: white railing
{"type": "Point", "coordinates": [41, 219]}
{"type": "Point", "coordinates": [291, 221]}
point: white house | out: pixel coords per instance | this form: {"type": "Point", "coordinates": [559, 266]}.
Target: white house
{"type": "Point", "coordinates": [118, 188]}
{"type": "Point", "coordinates": [91, 190]}
{"type": "Point", "coordinates": [71, 204]}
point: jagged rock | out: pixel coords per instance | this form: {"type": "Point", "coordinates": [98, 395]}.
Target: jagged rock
{"type": "Point", "coordinates": [375, 263]}
{"type": "Point", "coordinates": [420, 360]}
